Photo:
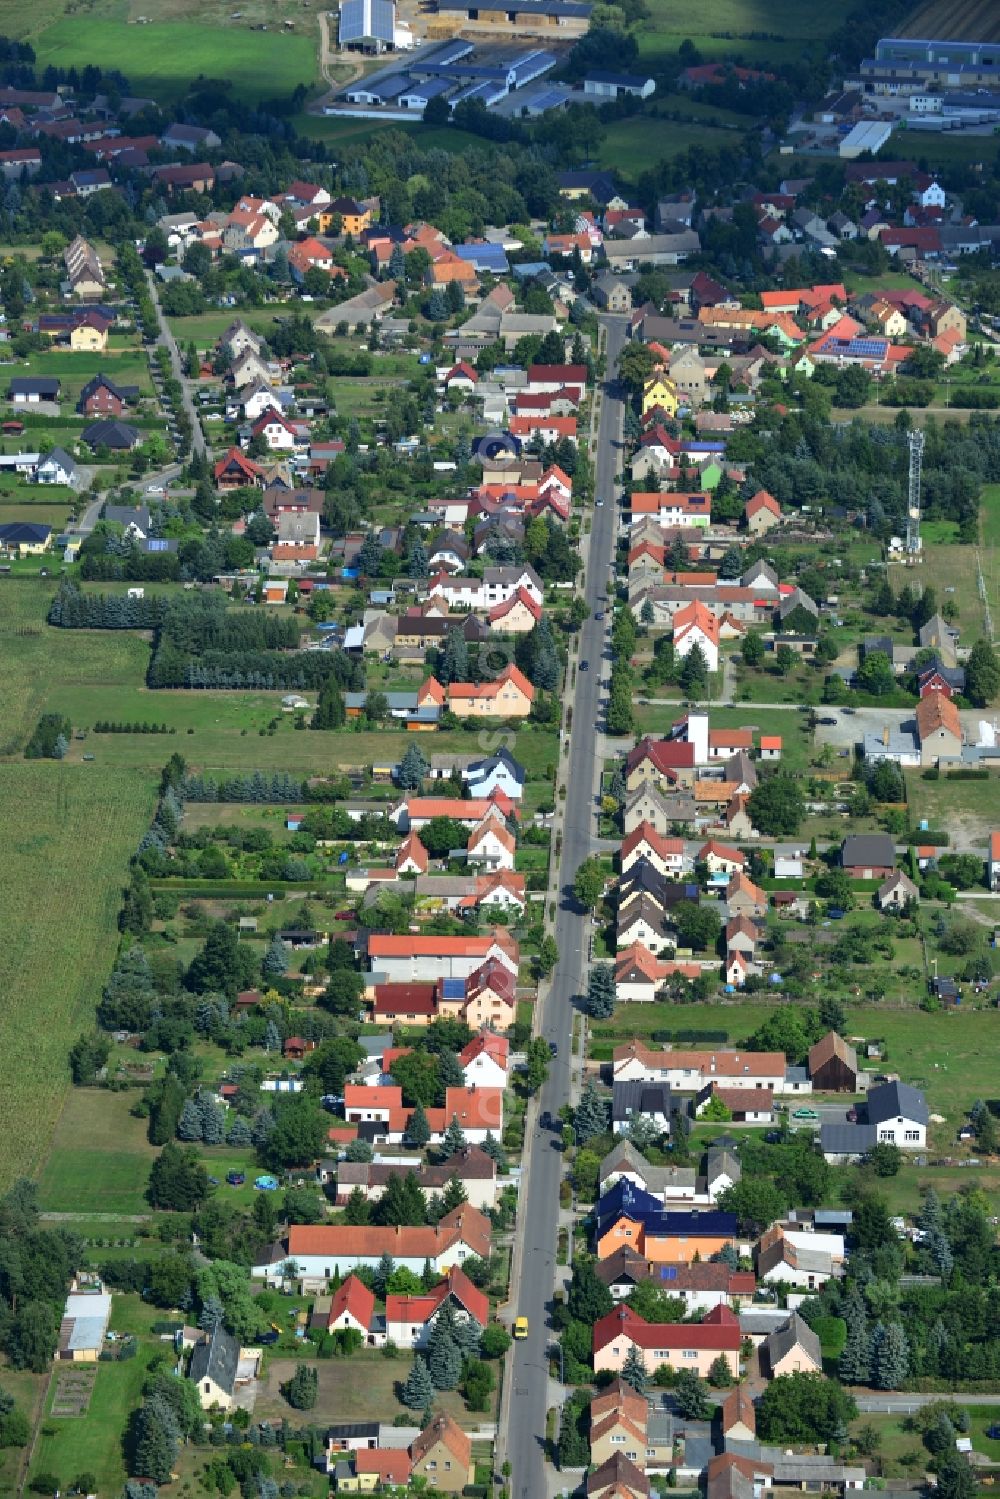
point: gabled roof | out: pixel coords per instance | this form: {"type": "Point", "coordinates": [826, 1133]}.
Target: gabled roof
{"type": "Point", "coordinates": [721, 1333]}
{"type": "Point", "coordinates": [217, 1359]}
{"type": "Point", "coordinates": [353, 1297]}
{"type": "Point", "coordinates": [445, 1431]}
{"type": "Point", "coordinates": [896, 1100]}
{"type": "Point", "coordinates": [937, 711]}
{"type": "Point", "coordinates": [829, 1046]}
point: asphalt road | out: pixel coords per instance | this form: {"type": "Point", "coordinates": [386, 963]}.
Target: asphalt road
{"type": "Point", "coordinates": [539, 1207]}
{"type": "Point", "coordinates": [906, 1404]}
{"type": "Point", "coordinates": [167, 340]}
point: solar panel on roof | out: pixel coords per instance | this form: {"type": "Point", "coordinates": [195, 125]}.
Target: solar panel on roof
{"type": "Point", "coordinates": [452, 988]}
{"type": "Point", "coordinates": [668, 1272]}
{"type": "Point", "coordinates": [157, 544]}
{"type": "Point", "coordinates": [361, 19]}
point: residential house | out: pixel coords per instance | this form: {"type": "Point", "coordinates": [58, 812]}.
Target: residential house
{"type": "Point", "coordinates": [939, 729]}
{"type": "Point", "coordinates": [322, 1251]}
{"type": "Point", "coordinates": [793, 1349]}
{"type": "Point", "coordinates": [442, 1456]}
{"type": "Point", "coordinates": [219, 1367]}
{"type": "Point", "coordinates": [57, 467]}
{"type": "Point", "coordinates": [805, 1260]}
{"type": "Point", "coordinates": [897, 892]}
{"type": "Point", "coordinates": [693, 1346]}
{"type": "Point", "coordinates": [694, 625]}
{"type": "Point", "coordinates": [868, 856]}
{"type": "Point", "coordinates": [761, 513]}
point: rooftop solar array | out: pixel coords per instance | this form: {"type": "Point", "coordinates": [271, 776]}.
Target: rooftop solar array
{"type": "Point", "coordinates": [361, 20]}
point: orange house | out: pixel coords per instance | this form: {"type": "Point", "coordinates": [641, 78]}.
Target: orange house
{"type": "Point", "coordinates": [671, 1238]}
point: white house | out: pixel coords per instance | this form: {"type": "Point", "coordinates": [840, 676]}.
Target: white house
{"type": "Point", "coordinates": [485, 1061]}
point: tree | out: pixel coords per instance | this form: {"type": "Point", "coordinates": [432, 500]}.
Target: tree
{"type": "Point", "coordinates": [548, 956]}
{"type": "Point", "coordinates": [588, 886]}
{"type": "Point", "coordinates": [635, 365]}
{"type": "Point", "coordinates": [716, 1110]}
{"type": "Point", "coordinates": [752, 648]}
{"type": "Point", "coordinates": [756, 1200]}
{"type": "Point", "coordinates": [885, 1158]}
{"type": "Point", "coordinates": [776, 806]}
{"type": "Point", "coordinates": [453, 1139]}
{"type": "Point", "coordinates": [890, 1356]}
{"type": "Point", "coordinates": [418, 1130]}
{"type": "Point", "coordinates": [982, 674]}
{"type": "Point", "coordinates": [601, 992]}
{"type": "Point", "coordinates": [444, 1357]}
{"type": "Point", "coordinates": [693, 677]}
{"type": "Point", "coordinates": [720, 1375]}
{"type": "Point", "coordinates": [453, 665]}
{"type": "Point", "coordinates": [30, 1340]}
{"type": "Point", "coordinates": [330, 711]}
{"type": "Point", "coordinates": [574, 1449]}
{"type": "Point", "coordinates": [155, 1440]}
{"type": "Point", "coordinates": [412, 769]}
{"type": "Point", "coordinates": [299, 1133]}
{"type": "Point", "coordinates": [855, 1359]}
{"type": "Point", "coordinates": [955, 1478]}
{"type": "Point", "coordinates": [634, 1371]}
{"type": "Point", "coordinates": [222, 966]}
{"type": "Point", "coordinates": [301, 1390]}
{"type": "Point", "coordinates": [697, 926]}
{"type": "Point", "coordinates": [591, 1118]}
{"type": "Point", "coordinates": [803, 1408]}
{"type": "Point", "coordinates": [276, 959]}
{"type": "Point", "coordinates": [691, 1396]}
{"type": "Point", "coordinates": [177, 1180]}
{"type": "Point", "coordinates": [495, 1341]}
{"type": "Point", "coordinates": [589, 1299]}
{"type": "Point", "coordinates": [418, 1388]}
{"type": "Point", "coordinates": [541, 656]}
{"type": "Point", "coordinates": [875, 674]}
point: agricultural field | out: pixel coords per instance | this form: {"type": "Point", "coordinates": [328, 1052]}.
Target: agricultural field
{"type": "Point", "coordinates": [953, 20]}
{"type": "Point", "coordinates": [164, 58]}
{"type": "Point", "coordinates": [783, 28]}
{"type": "Point", "coordinates": [67, 833]}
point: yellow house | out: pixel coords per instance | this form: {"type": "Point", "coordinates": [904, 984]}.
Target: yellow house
{"type": "Point", "coordinates": [889, 320]}
{"type": "Point", "coordinates": [659, 390]}
{"type": "Point", "coordinates": [24, 539]}
{"type": "Point", "coordinates": [442, 1454]}
{"type": "Point", "coordinates": [89, 338]}
{"type": "Point", "coordinates": [509, 695]}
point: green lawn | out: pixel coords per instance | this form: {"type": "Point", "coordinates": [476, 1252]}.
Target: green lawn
{"type": "Point", "coordinates": [968, 810]}
{"type": "Point", "coordinates": [92, 1443]}
{"type": "Point", "coordinates": [100, 1156]}
{"type": "Point", "coordinates": [989, 515]}
{"type": "Point", "coordinates": [953, 567]}
{"type": "Point", "coordinates": [126, 365]}
{"type": "Point", "coordinates": [55, 516]}
{"type": "Point", "coordinates": [164, 59]}
{"type": "Point", "coordinates": [636, 142]}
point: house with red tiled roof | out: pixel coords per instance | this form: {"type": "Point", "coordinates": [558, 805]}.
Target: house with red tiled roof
{"type": "Point", "coordinates": [412, 1005]}
{"type": "Point", "coordinates": [411, 856]}
{"type": "Point", "coordinates": [761, 513]}
{"type": "Point", "coordinates": [442, 1455]}
{"type": "Point", "coordinates": [508, 695]}
{"type": "Point", "coordinates": [720, 858]}
{"type": "Point", "coordinates": [517, 615]}
{"type": "Point", "coordinates": [485, 1060]}
{"type": "Point", "coordinates": [311, 253]}
{"type": "Point", "coordinates": [491, 845]}
{"type": "Point", "coordinates": [321, 1251]}
{"type": "Point", "coordinates": [462, 376]}
{"type": "Point", "coordinates": [417, 957]}
{"type": "Point", "coordinates": [409, 1320]}
{"type": "Point", "coordinates": [236, 471]}
{"type": "Point", "coordinates": [665, 854]}
{"type": "Point", "coordinates": [696, 625]}
{"type": "Point", "coordinates": [683, 1345]}
{"type": "Point", "coordinates": [353, 1307]}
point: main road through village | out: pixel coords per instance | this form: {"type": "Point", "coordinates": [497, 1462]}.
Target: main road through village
{"type": "Point", "coordinates": [532, 1285]}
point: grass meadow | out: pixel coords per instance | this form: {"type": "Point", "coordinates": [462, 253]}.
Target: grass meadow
{"type": "Point", "coordinates": [164, 58]}
{"type": "Point", "coordinates": [67, 833]}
